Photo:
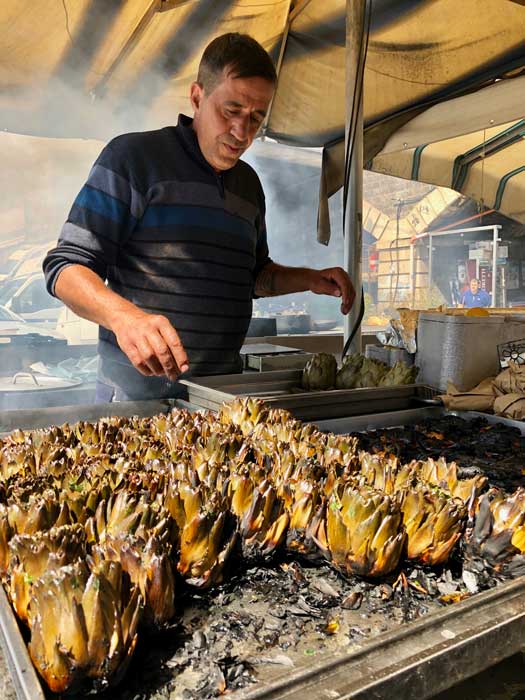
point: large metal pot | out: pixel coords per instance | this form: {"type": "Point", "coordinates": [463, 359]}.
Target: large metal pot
{"type": "Point", "coordinates": [28, 390]}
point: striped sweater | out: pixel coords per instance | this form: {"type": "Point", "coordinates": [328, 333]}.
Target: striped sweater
{"type": "Point", "coordinates": [174, 237]}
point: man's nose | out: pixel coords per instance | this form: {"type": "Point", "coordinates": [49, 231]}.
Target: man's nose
{"type": "Point", "coordinates": [240, 128]}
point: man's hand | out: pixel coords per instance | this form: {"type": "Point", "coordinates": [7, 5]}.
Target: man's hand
{"type": "Point", "coordinates": [334, 281]}
{"type": "Point", "coordinates": [151, 344]}
{"type": "Point", "coordinates": [149, 340]}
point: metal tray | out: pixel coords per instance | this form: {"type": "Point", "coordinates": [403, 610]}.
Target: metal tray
{"type": "Point", "coordinates": [353, 424]}
{"type": "Point", "coordinates": [411, 662]}
{"type": "Point", "coordinates": [276, 389]}
{"type": "Point", "coordinates": [269, 363]}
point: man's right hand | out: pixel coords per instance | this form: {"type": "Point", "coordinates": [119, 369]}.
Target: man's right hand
{"type": "Point", "coordinates": [151, 344]}
{"type": "Point", "coordinates": [149, 340]}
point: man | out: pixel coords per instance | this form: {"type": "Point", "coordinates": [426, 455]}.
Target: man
{"type": "Point", "coordinates": [174, 221]}
{"type": "Point", "coordinates": [475, 296]}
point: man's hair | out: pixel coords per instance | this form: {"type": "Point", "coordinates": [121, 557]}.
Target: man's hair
{"type": "Point", "coordinates": [240, 54]}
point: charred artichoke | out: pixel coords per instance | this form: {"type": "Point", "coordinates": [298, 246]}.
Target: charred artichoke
{"type": "Point", "coordinates": [80, 627]}
{"type": "Point", "coordinates": [363, 532]}
{"type": "Point", "coordinates": [434, 523]}
{"type": "Point", "coordinates": [319, 372]}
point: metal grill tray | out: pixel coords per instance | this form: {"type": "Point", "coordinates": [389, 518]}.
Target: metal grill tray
{"type": "Point", "coordinates": [276, 389]}
{"type": "Point", "coordinates": [414, 661]}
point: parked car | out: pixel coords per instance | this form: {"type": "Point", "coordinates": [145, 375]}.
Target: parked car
{"type": "Point", "coordinates": [28, 297]}
{"type": "Point", "coordinates": [11, 324]}
{"type": "Point", "coordinates": [78, 331]}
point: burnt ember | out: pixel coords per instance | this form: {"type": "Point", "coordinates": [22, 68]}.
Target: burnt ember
{"type": "Point", "coordinates": [478, 447]}
{"type": "Point", "coordinates": [265, 622]}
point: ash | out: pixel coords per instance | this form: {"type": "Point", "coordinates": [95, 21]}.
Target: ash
{"type": "Point", "coordinates": [268, 621]}
{"type": "Point", "coordinates": [478, 447]}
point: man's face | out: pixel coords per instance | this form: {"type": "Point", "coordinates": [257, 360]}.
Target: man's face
{"type": "Point", "coordinates": [227, 120]}
{"type": "Point", "coordinates": [474, 286]}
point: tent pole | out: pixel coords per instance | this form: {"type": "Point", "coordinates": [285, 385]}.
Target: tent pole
{"type": "Point", "coordinates": [412, 273]}
{"type": "Point", "coordinates": [353, 234]}
{"type": "Point", "coordinates": [494, 263]}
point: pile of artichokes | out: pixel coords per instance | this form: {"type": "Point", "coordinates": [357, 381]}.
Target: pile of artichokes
{"type": "Point", "coordinates": [357, 371]}
{"type": "Point", "coordinates": [101, 523]}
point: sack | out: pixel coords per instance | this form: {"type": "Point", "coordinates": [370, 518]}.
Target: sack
{"type": "Point", "coordinates": [480, 398]}
{"type": "Point", "coordinates": [510, 406]}
{"type": "Point", "coordinates": [511, 380]}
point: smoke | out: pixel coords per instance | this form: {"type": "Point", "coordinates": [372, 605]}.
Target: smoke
{"type": "Point", "coordinates": [51, 134]}
{"type": "Point", "coordinates": [290, 178]}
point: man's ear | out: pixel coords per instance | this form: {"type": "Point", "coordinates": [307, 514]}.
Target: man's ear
{"type": "Point", "coordinates": [196, 94]}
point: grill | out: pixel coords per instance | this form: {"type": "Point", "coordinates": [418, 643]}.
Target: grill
{"type": "Point", "coordinates": [292, 631]}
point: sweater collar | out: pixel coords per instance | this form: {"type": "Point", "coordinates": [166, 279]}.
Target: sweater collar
{"type": "Point", "coordinates": [191, 143]}
{"type": "Point", "coordinates": [189, 138]}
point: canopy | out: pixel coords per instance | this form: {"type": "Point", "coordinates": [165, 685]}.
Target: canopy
{"type": "Point", "coordinates": [487, 165]}
{"type": "Point", "coordinates": [94, 68]}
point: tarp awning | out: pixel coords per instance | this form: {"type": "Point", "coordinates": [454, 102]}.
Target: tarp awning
{"type": "Point", "coordinates": [486, 164]}
{"type": "Point", "coordinates": [95, 64]}
{"type": "Point", "coordinates": [94, 68]}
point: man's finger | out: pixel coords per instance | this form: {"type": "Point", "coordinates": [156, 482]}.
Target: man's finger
{"type": "Point", "coordinates": [171, 338]}
{"type": "Point", "coordinates": [347, 289]}
{"type": "Point", "coordinates": [148, 357]}
{"type": "Point", "coordinates": [164, 356]}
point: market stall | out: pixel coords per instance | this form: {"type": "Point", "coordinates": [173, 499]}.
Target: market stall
{"type": "Point", "coordinates": [372, 631]}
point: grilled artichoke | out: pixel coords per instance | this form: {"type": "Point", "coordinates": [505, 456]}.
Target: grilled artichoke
{"type": "Point", "coordinates": [244, 413]}
{"type": "Point", "coordinates": [445, 476]}
{"type": "Point", "coordinates": [399, 374]}
{"type": "Point", "coordinates": [80, 628]}
{"type": "Point", "coordinates": [319, 372]}
{"type": "Point", "coordinates": [370, 373]}
{"type": "Point", "coordinates": [307, 502]}
{"type": "Point", "coordinates": [207, 537]}
{"type": "Point", "coordinates": [150, 568]}
{"type": "Point", "coordinates": [348, 373]}
{"type": "Point", "coordinates": [385, 474]}
{"type": "Point", "coordinates": [38, 513]}
{"type": "Point", "coordinates": [363, 533]}
{"type": "Point", "coordinates": [32, 555]}
{"type": "Point", "coordinates": [496, 540]}
{"type": "Point", "coordinates": [434, 523]}
{"type": "Point", "coordinates": [6, 532]}
{"type": "Point", "coordinates": [262, 517]}
{"type": "Point", "coordinates": [124, 514]}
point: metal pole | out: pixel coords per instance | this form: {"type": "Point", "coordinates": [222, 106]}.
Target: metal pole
{"type": "Point", "coordinates": [494, 263]}
{"type": "Point", "coordinates": [430, 262]}
{"type": "Point", "coordinates": [353, 234]}
{"type": "Point", "coordinates": [412, 266]}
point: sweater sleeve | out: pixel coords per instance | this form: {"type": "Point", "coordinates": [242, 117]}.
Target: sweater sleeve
{"type": "Point", "coordinates": [101, 219]}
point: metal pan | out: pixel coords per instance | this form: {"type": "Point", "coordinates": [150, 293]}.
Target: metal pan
{"type": "Point", "coordinates": [280, 390]}
{"type": "Point", "coordinates": [394, 419]}
{"type": "Point", "coordinates": [413, 662]}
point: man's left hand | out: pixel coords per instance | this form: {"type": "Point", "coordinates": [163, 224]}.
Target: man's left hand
{"type": "Point", "coordinates": [335, 282]}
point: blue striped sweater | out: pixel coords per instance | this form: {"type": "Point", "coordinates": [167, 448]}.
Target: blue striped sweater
{"type": "Point", "coordinates": [174, 237]}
